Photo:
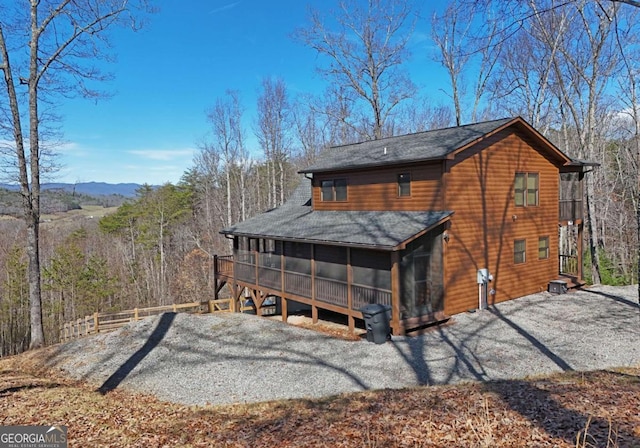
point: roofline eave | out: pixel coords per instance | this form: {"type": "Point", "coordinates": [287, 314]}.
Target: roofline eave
{"type": "Point", "coordinates": [382, 247]}
{"type": "Point", "coordinates": [372, 165]}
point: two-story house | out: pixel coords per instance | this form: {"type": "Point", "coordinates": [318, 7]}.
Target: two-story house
{"type": "Point", "coordinates": [432, 224]}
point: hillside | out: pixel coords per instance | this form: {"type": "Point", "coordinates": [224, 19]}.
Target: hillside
{"type": "Point", "coordinates": [593, 409]}
{"type": "Point", "coordinates": [510, 376]}
{"type": "Point", "coordinates": [127, 190]}
{"type": "Point", "coordinates": [58, 198]}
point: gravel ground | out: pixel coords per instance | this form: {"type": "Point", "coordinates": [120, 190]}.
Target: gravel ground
{"type": "Point", "coordinates": [231, 358]}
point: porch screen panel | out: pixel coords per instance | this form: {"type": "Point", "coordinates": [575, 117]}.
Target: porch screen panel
{"type": "Point", "coordinates": [297, 257]}
{"type": "Point", "coordinates": [331, 262]}
{"type": "Point", "coordinates": [270, 256]}
{"type": "Point", "coordinates": [331, 274]}
{"type": "Point", "coordinates": [270, 263]}
{"type": "Point", "coordinates": [245, 266]}
{"type": "Point", "coordinates": [371, 268]}
{"type": "Point", "coordinates": [421, 276]}
{"type": "Point", "coordinates": [371, 277]}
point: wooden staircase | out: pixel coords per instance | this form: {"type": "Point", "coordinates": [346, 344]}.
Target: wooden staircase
{"type": "Point", "coordinates": [572, 281]}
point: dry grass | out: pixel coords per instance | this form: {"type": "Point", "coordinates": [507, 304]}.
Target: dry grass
{"type": "Point", "coordinates": [594, 409]}
{"type": "Point", "coordinates": [86, 212]}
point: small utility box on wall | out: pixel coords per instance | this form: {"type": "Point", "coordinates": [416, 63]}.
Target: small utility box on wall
{"type": "Point", "coordinates": [557, 287]}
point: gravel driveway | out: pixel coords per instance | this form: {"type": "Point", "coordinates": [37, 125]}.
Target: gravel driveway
{"type": "Point", "coordinates": [228, 358]}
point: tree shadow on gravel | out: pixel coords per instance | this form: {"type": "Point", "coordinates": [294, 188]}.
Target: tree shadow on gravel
{"type": "Point", "coordinates": [619, 299]}
{"type": "Point", "coordinates": [532, 339]}
{"type": "Point", "coordinates": [465, 363]}
{"type": "Point", "coordinates": [164, 323]}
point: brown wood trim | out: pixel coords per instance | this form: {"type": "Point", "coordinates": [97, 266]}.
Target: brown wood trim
{"type": "Point", "coordinates": [404, 244]}
{"type": "Point", "coordinates": [396, 327]}
{"type": "Point", "coordinates": [314, 308]}
{"type": "Point", "coordinates": [350, 319]}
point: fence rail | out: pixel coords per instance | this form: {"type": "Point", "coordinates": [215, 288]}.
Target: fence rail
{"type": "Point", "coordinates": [105, 322]}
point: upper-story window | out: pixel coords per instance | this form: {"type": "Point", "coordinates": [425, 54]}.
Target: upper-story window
{"type": "Point", "coordinates": [334, 190]}
{"type": "Point", "coordinates": [526, 188]}
{"type": "Point", "coordinates": [404, 184]}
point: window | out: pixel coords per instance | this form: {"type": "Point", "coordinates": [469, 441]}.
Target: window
{"type": "Point", "coordinates": [519, 250]}
{"type": "Point", "coordinates": [526, 187]}
{"type": "Point", "coordinates": [404, 184]}
{"type": "Point", "coordinates": [340, 187]}
{"type": "Point", "coordinates": [334, 190]}
{"type": "Point", "coordinates": [543, 248]}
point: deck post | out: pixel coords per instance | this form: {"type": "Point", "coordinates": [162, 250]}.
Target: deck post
{"type": "Point", "coordinates": [284, 310]}
{"type": "Point", "coordinates": [396, 328]}
{"type": "Point", "coordinates": [314, 308]}
{"type": "Point", "coordinates": [350, 319]}
{"type": "Point", "coordinates": [283, 302]}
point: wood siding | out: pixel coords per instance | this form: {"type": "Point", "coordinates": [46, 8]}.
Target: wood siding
{"type": "Point", "coordinates": [377, 189]}
{"type": "Point", "coordinates": [479, 188]}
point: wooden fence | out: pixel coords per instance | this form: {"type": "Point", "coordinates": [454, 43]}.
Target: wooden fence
{"type": "Point", "coordinates": [105, 322]}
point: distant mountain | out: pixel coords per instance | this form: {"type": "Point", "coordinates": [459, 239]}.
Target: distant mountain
{"type": "Point", "coordinates": [87, 188]}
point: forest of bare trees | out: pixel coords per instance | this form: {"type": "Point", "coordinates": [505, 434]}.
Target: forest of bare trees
{"type": "Point", "coordinates": [567, 67]}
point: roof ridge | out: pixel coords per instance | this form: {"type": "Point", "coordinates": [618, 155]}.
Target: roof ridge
{"type": "Point", "coordinates": [477, 123]}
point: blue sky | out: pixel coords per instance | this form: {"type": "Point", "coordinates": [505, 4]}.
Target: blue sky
{"type": "Point", "coordinates": [168, 74]}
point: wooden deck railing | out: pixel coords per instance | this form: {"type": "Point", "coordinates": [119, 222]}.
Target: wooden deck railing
{"type": "Point", "coordinates": [224, 265]}
{"type": "Point", "coordinates": [569, 264]}
{"type": "Point", "coordinates": [297, 284]}
{"type": "Point", "coordinates": [105, 322]}
{"type": "Point", "coordinates": [363, 295]}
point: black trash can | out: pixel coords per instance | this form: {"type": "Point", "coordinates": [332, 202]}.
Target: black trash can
{"type": "Point", "coordinates": [377, 322]}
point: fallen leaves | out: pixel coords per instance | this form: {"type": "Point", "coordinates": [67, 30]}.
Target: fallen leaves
{"type": "Point", "coordinates": [588, 409]}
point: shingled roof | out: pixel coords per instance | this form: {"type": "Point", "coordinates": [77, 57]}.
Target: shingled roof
{"type": "Point", "coordinates": [296, 221]}
{"type": "Point", "coordinates": [435, 144]}
{"type": "Point", "coordinates": [384, 230]}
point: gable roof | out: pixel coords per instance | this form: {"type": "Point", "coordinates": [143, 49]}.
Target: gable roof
{"type": "Point", "coordinates": [296, 221]}
{"type": "Point", "coordinates": [422, 146]}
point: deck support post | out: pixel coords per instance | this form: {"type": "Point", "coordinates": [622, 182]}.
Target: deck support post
{"type": "Point", "coordinates": [314, 308]}
{"type": "Point", "coordinates": [285, 311]}
{"type": "Point", "coordinates": [350, 319]}
{"type": "Point", "coordinates": [396, 328]}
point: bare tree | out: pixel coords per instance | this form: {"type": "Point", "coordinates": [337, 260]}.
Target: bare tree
{"type": "Point", "coordinates": [62, 40]}
{"type": "Point", "coordinates": [423, 114]}
{"type": "Point", "coordinates": [559, 63]}
{"type": "Point", "coordinates": [312, 130]}
{"type": "Point", "coordinates": [365, 54]}
{"type": "Point", "coordinates": [225, 118]}
{"type": "Point", "coordinates": [272, 129]}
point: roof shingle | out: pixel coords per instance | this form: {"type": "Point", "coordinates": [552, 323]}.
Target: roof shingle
{"type": "Point", "coordinates": [435, 144]}
{"type": "Point", "coordinates": [296, 221]}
